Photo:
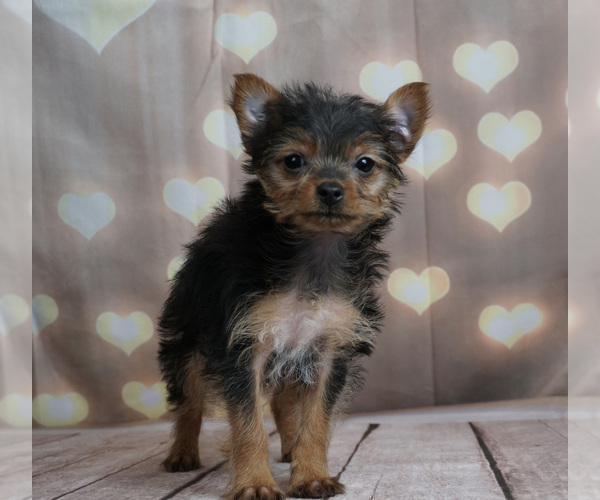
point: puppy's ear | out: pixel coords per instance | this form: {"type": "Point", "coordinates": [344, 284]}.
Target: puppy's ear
{"type": "Point", "coordinates": [252, 100]}
{"type": "Point", "coordinates": [408, 108]}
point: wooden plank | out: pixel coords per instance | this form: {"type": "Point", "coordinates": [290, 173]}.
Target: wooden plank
{"type": "Point", "coordinates": [60, 482]}
{"type": "Point", "coordinates": [592, 426]}
{"type": "Point", "coordinates": [412, 460]}
{"type": "Point", "coordinates": [531, 456]}
{"type": "Point", "coordinates": [87, 445]}
{"type": "Point", "coordinates": [16, 486]}
{"type": "Point", "coordinates": [560, 425]}
{"type": "Point", "coordinates": [377, 466]}
{"type": "Point", "coordinates": [77, 462]}
{"type": "Point", "coordinates": [15, 453]}
{"type": "Point", "coordinates": [40, 438]}
{"type": "Point", "coordinates": [584, 459]}
{"type": "Point", "coordinates": [9, 436]}
{"type": "Point", "coordinates": [85, 440]}
{"type": "Point", "coordinates": [15, 465]}
{"type": "Point", "coordinates": [15, 457]}
{"type": "Point", "coordinates": [146, 479]}
{"type": "Point", "coordinates": [396, 460]}
{"type": "Point", "coordinates": [124, 484]}
{"type": "Point", "coordinates": [346, 436]}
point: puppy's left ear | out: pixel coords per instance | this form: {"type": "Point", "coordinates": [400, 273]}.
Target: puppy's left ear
{"type": "Point", "coordinates": [408, 107]}
{"type": "Point", "coordinates": [252, 100]}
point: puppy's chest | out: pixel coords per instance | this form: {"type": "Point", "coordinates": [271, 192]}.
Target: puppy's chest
{"type": "Point", "coordinates": [296, 335]}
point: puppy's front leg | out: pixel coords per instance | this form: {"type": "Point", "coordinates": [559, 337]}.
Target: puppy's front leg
{"type": "Point", "coordinates": [310, 473]}
{"type": "Point", "coordinates": [252, 476]}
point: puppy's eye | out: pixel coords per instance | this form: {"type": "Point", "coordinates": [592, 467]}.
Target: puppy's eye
{"type": "Point", "coordinates": [365, 164]}
{"type": "Point", "coordinates": [293, 161]}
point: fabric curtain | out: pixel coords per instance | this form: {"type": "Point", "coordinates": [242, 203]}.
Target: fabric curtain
{"type": "Point", "coordinates": [134, 144]}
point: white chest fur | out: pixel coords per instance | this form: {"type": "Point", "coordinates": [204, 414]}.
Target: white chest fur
{"type": "Point", "coordinates": [296, 337]}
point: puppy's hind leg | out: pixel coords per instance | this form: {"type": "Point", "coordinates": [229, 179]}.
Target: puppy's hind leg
{"type": "Point", "coordinates": [285, 412]}
{"type": "Point", "coordinates": [184, 454]}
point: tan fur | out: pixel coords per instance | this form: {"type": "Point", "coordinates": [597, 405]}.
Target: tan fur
{"type": "Point", "coordinates": [293, 200]}
{"type": "Point", "coordinates": [184, 453]}
{"type": "Point", "coordinates": [310, 474]}
{"type": "Point", "coordinates": [284, 406]}
{"type": "Point", "coordinates": [250, 457]}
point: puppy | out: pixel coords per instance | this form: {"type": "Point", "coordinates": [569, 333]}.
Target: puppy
{"type": "Point", "coordinates": [277, 297]}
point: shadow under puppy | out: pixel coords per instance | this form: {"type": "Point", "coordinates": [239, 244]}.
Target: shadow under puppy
{"type": "Point", "coordinates": [276, 297]}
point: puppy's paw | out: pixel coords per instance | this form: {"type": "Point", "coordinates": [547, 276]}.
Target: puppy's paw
{"type": "Point", "coordinates": [317, 488]}
{"type": "Point", "coordinates": [181, 462]}
{"type": "Point", "coordinates": [271, 492]}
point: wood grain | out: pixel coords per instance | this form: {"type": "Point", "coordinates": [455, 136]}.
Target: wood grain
{"type": "Point", "coordinates": [584, 459]}
{"type": "Point", "coordinates": [531, 455]}
{"type": "Point", "coordinates": [420, 461]}
{"type": "Point", "coordinates": [15, 464]}
{"type": "Point", "coordinates": [390, 460]}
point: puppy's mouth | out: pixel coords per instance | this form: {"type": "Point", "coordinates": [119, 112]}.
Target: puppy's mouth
{"type": "Point", "coordinates": [330, 216]}
{"type": "Point", "coordinates": [321, 220]}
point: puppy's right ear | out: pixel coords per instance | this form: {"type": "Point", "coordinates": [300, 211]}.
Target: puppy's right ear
{"type": "Point", "coordinates": [252, 100]}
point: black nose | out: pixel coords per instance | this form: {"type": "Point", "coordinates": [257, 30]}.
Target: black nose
{"type": "Point", "coordinates": [330, 193]}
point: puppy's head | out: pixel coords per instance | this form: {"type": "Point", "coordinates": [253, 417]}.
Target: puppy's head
{"type": "Point", "coordinates": [327, 162]}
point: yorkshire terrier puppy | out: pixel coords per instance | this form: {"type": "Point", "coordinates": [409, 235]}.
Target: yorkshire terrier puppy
{"type": "Point", "coordinates": [277, 297]}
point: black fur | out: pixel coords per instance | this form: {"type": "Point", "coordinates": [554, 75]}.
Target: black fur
{"type": "Point", "coordinates": [335, 119]}
{"type": "Point", "coordinates": [243, 253]}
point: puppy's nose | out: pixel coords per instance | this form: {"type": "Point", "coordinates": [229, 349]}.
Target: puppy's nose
{"type": "Point", "coordinates": [330, 193]}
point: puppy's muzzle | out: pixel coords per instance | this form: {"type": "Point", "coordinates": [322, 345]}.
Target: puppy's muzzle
{"type": "Point", "coordinates": [330, 193]}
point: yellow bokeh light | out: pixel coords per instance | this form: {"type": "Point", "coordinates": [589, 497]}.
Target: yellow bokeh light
{"type": "Point", "coordinates": [419, 292]}
{"type": "Point", "coordinates": [486, 67]}
{"type": "Point", "coordinates": [509, 137]}
{"type": "Point", "coordinates": [509, 327]}
{"type": "Point", "coordinates": [499, 207]}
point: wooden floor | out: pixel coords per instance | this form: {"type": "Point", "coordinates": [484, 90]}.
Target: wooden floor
{"type": "Point", "coordinates": [493, 452]}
